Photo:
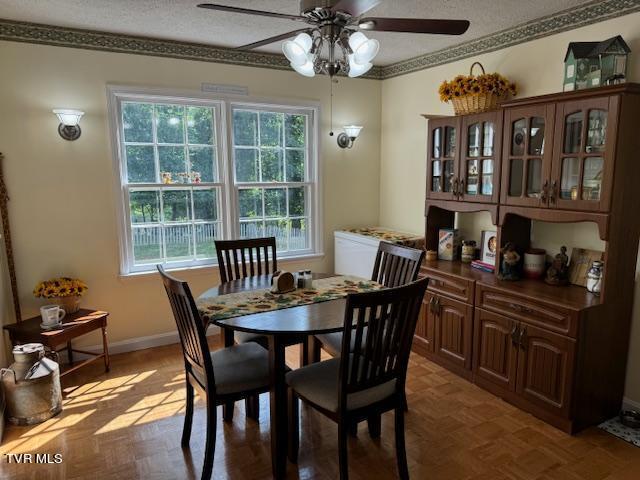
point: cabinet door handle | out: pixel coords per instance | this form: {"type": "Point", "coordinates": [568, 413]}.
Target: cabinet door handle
{"type": "Point", "coordinates": [554, 192]}
{"type": "Point", "coordinates": [522, 341]}
{"type": "Point", "coordinates": [515, 335]}
{"type": "Point", "coordinates": [520, 308]}
{"type": "Point", "coordinates": [455, 187]}
{"type": "Point", "coordinates": [545, 191]}
{"type": "Point", "coordinates": [461, 192]}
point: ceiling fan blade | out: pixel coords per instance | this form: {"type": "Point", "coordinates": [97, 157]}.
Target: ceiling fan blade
{"type": "Point", "coordinates": [269, 40]}
{"type": "Point", "coordinates": [355, 8]}
{"type": "Point", "coordinates": [225, 8]}
{"type": "Point", "coordinates": [414, 25]}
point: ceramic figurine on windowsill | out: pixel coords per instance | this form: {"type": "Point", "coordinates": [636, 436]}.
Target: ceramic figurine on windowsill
{"type": "Point", "coordinates": [558, 272]}
{"type": "Point", "coordinates": [510, 265]}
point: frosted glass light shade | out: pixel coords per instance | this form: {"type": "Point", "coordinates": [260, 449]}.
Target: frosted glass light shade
{"type": "Point", "coordinates": [297, 50]}
{"type": "Point", "coordinates": [364, 49]}
{"type": "Point", "coordinates": [68, 117]}
{"type": "Point", "coordinates": [352, 131]}
{"type": "Point", "coordinates": [305, 69]}
{"type": "Point", "coordinates": [356, 69]}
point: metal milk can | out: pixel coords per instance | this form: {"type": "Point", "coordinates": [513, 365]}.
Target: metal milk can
{"type": "Point", "coordinates": [31, 385]}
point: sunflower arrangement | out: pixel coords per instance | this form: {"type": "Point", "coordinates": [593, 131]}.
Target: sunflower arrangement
{"type": "Point", "coordinates": [60, 287]}
{"type": "Point", "coordinates": [476, 93]}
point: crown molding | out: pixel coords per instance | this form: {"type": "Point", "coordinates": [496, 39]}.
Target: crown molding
{"type": "Point", "coordinates": [593, 12]}
{"type": "Point", "coordinates": [596, 11]}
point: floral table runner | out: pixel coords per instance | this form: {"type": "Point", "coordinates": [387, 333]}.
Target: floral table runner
{"type": "Point", "coordinates": [238, 304]}
{"type": "Point", "coordinates": [399, 238]}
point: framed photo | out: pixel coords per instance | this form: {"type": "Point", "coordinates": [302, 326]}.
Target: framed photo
{"type": "Point", "coordinates": [580, 263]}
{"type": "Point", "coordinates": [489, 246]}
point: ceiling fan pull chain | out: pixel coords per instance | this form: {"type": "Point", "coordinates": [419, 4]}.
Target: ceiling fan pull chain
{"type": "Point", "coordinates": [331, 107]}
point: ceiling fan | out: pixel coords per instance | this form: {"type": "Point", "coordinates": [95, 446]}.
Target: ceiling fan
{"type": "Point", "coordinates": [334, 27]}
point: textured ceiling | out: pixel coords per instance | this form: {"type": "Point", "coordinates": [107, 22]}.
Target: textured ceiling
{"type": "Point", "coordinates": [181, 20]}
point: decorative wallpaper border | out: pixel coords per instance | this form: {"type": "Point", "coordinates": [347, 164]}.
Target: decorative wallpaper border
{"type": "Point", "coordinates": [110, 42]}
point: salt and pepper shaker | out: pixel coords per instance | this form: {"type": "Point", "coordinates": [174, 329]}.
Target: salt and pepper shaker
{"type": "Point", "coordinates": [308, 279]}
{"type": "Point", "coordinates": [300, 279]}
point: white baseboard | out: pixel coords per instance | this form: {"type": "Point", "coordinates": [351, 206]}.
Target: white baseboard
{"type": "Point", "coordinates": [629, 404]}
{"type": "Point", "coordinates": [133, 344]}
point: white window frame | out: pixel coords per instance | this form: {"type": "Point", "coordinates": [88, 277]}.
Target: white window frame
{"type": "Point", "coordinates": [223, 113]}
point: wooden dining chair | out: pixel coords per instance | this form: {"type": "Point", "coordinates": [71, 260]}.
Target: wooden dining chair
{"type": "Point", "coordinates": [220, 377]}
{"type": "Point", "coordinates": [395, 265]}
{"type": "Point", "coordinates": [369, 377]}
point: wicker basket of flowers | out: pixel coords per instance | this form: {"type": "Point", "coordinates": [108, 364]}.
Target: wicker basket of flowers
{"type": "Point", "coordinates": [476, 93]}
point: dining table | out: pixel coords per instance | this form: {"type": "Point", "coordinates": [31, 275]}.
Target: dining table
{"type": "Point", "coordinates": [282, 327]}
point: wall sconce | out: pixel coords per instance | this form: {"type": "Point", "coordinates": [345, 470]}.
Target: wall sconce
{"type": "Point", "coordinates": [69, 120]}
{"type": "Point", "coordinates": [346, 138]}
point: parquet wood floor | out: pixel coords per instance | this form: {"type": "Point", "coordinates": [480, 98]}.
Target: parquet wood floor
{"type": "Point", "coordinates": [127, 424]}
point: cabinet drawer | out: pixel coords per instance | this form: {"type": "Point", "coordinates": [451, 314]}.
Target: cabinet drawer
{"type": "Point", "coordinates": [536, 312]}
{"type": "Point", "coordinates": [449, 285]}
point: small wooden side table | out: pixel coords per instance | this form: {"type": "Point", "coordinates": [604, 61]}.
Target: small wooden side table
{"type": "Point", "coordinates": [73, 326]}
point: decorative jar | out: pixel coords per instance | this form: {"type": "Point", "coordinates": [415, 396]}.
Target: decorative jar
{"type": "Point", "coordinates": [594, 277]}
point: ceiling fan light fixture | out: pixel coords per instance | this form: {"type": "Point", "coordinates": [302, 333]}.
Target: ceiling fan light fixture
{"type": "Point", "coordinates": [365, 49]}
{"type": "Point", "coordinates": [297, 50]}
{"type": "Point", "coordinates": [357, 69]}
{"type": "Point", "coordinates": [307, 69]}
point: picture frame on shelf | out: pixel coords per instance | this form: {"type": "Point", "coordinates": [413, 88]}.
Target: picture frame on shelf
{"type": "Point", "coordinates": [581, 260]}
{"type": "Point", "coordinates": [489, 246]}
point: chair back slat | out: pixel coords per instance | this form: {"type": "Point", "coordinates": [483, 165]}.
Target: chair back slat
{"type": "Point", "coordinates": [382, 324]}
{"type": "Point", "coordinates": [396, 265]}
{"type": "Point", "coordinates": [236, 258]}
{"type": "Point", "coordinates": [190, 330]}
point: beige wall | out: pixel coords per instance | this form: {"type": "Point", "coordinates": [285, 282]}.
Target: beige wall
{"type": "Point", "coordinates": [537, 67]}
{"type": "Point", "coordinates": [62, 193]}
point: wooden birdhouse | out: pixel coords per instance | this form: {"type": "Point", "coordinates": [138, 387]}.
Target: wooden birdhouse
{"type": "Point", "coordinates": [591, 64]}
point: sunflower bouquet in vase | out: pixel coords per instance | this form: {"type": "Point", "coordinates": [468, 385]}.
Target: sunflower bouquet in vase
{"type": "Point", "coordinates": [65, 291]}
{"type": "Point", "coordinates": [476, 93]}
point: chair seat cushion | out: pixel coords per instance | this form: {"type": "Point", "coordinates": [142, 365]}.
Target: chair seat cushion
{"type": "Point", "coordinates": [245, 337]}
{"type": "Point", "coordinates": [332, 342]}
{"type": "Point", "coordinates": [318, 383]}
{"type": "Point", "coordinates": [239, 368]}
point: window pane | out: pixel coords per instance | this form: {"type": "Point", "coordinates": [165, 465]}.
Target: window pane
{"type": "Point", "coordinates": [487, 142]}
{"type": "Point", "coordinates": [592, 178]}
{"type": "Point", "coordinates": [597, 133]}
{"type": "Point", "coordinates": [178, 242]}
{"type": "Point", "coordinates": [205, 204]}
{"type": "Point", "coordinates": [176, 205]}
{"type": "Point", "coordinates": [473, 138]}
{"type": "Point", "coordinates": [203, 164]}
{"type": "Point", "coordinates": [250, 203]}
{"type": "Point", "coordinates": [472, 177]}
{"type": "Point", "coordinates": [448, 175]}
{"type": "Point", "coordinates": [437, 142]}
{"type": "Point", "coordinates": [170, 123]}
{"type": "Point", "coordinates": [144, 206]}
{"type": "Point", "coordinates": [518, 132]}
{"type": "Point", "coordinates": [487, 177]}
{"type": "Point", "coordinates": [137, 122]}
{"type": "Point", "coordinates": [141, 165]}
{"type": "Point", "coordinates": [296, 201]}
{"type": "Point", "coordinates": [246, 164]}
{"type": "Point", "coordinates": [295, 130]}
{"type": "Point", "coordinates": [272, 168]}
{"type": "Point", "coordinates": [573, 133]}
{"type": "Point", "coordinates": [147, 245]}
{"type": "Point", "coordinates": [271, 125]}
{"type": "Point", "coordinates": [298, 234]}
{"type": "Point", "coordinates": [206, 234]}
{"type": "Point", "coordinates": [515, 177]}
{"type": "Point", "coordinates": [200, 125]}
{"type": "Point", "coordinates": [251, 229]}
{"type": "Point", "coordinates": [275, 202]}
{"type": "Point", "coordinates": [173, 168]}
{"type": "Point", "coordinates": [245, 128]}
{"type": "Point", "coordinates": [536, 136]}
{"type": "Point", "coordinates": [534, 177]}
{"type": "Point", "coordinates": [450, 142]}
{"type": "Point", "coordinates": [295, 165]}
{"type": "Point", "coordinates": [278, 229]}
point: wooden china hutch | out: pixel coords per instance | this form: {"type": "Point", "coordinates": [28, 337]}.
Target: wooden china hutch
{"type": "Point", "coordinates": [558, 352]}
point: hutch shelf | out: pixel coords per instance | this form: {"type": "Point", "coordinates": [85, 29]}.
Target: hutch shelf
{"type": "Point", "coordinates": [559, 352]}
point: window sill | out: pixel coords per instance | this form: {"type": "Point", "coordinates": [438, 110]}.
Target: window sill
{"type": "Point", "coordinates": [208, 269]}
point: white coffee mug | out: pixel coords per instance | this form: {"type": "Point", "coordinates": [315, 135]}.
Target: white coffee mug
{"type": "Point", "coordinates": [52, 314]}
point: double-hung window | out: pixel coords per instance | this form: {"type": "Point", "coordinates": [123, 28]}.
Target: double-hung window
{"type": "Point", "coordinates": [193, 170]}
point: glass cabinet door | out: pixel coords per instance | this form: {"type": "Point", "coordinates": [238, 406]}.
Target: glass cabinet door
{"type": "Point", "coordinates": [527, 159]}
{"type": "Point", "coordinates": [442, 158]}
{"type": "Point", "coordinates": [580, 162]}
{"type": "Point", "coordinates": [480, 151]}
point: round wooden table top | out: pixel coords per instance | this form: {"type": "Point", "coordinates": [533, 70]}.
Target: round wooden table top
{"type": "Point", "coordinates": [315, 318]}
